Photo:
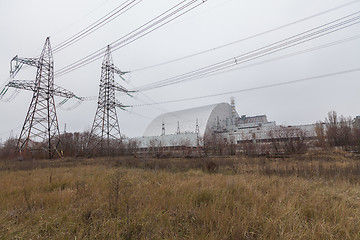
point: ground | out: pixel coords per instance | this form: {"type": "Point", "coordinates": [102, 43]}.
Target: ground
{"type": "Point", "coordinates": [312, 196]}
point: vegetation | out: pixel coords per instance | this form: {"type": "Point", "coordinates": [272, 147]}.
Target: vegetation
{"type": "Point", "coordinates": [290, 187]}
{"type": "Point", "coordinates": [334, 133]}
{"type": "Point", "coordinates": [310, 196]}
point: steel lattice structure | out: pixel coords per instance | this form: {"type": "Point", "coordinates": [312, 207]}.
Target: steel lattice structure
{"type": "Point", "coordinates": [41, 123]}
{"type": "Point", "coordinates": [105, 128]}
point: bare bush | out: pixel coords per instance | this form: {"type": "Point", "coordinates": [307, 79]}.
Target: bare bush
{"type": "Point", "coordinates": [289, 140]}
{"type": "Point", "coordinates": [8, 148]}
{"type": "Point", "coordinates": [320, 135]}
{"type": "Point", "coordinates": [332, 129]}
{"type": "Point", "coordinates": [340, 131]}
{"type": "Point", "coordinates": [214, 144]}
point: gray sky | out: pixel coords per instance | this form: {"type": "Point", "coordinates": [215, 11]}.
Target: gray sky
{"type": "Point", "coordinates": [25, 25]}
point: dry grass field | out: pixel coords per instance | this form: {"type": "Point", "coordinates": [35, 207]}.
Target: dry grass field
{"type": "Point", "coordinates": [312, 196]}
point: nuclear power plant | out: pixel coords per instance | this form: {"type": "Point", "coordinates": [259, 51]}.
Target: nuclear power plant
{"type": "Point", "coordinates": [189, 127]}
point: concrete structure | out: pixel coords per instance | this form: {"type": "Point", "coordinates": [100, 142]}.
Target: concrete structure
{"type": "Point", "coordinates": [181, 139]}
{"type": "Point", "coordinates": [200, 120]}
{"type": "Point", "coordinates": [356, 123]}
{"type": "Point", "coordinates": [187, 128]}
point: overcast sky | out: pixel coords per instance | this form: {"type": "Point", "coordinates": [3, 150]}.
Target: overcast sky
{"type": "Point", "coordinates": [25, 25]}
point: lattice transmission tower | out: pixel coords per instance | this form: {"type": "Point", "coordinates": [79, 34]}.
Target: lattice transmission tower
{"type": "Point", "coordinates": [41, 129]}
{"type": "Point", "coordinates": [105, 130]}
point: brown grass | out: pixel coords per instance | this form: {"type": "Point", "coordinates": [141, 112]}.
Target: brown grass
{"type": "Point", "coordinates": [124, 198]}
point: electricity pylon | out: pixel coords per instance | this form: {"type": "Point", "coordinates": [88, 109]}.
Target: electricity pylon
{"type": "Point", "coordinates": [105, 129]}
{"type": "Point", "coordinates": [41, 123]}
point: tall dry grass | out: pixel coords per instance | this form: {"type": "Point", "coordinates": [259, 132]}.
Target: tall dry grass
{"type": "Point", "coordinates": [241, 198]}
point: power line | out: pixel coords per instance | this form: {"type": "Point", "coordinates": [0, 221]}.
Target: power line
{"type": "Point", "coordinates": [327, 45]}
{"type": "Point", "coordinates": [245, 39]}
{"type": "Point", "coordinates": [292, 41]}
{"type": "Point", "coordinates": [80, 18]}
{"type": "Point", "coordinates": [287, 55]}
{"type": "Point", "coordinates": [274, 47]}
{"type": "Point", "coordinates": [256, 88]}
{"type": "Point", "coordinates": [118, 11]}
{"type": "Point", "coordinates": [143, 32]}
{"type": "Point", "coordinates": [152, 25]}
{"type": "Point", "coordinates": [236, 62]}
{"type": "Point", "coordinates": [133, 34]}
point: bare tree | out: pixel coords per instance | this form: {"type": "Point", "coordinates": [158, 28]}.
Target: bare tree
{"type": "Point", "coordinates": [339, 131]}
{"type": "Point", "coordinates": [249, 145]}
{"type": "Point", "coordinates": [320, 135]}
{"type": "Point", "coordinates": [332, 129]}
{"type": "Point", "coordinates": [214, 144]}
{"type": "Point", "coordinates": [289, 140]}
{"type": "Point", "coordinates": [345, 138]}
{"type": "Point", "coordinates": [7, 150]}
{"type": "Point", "coordinates": [356, 139]}
{"type": "Point", "coordinates": [232, 145]}
{"type": "Point", "coordinates": [132, 146]}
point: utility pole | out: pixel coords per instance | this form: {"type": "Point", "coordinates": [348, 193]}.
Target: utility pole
{"type": "Point", "coordinates": [41, 123]}
{"type": "Point", "coordinates": [105, 128]}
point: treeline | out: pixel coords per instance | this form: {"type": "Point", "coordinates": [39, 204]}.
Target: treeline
{"type": "Point", "coordinates": [338, 131]}
{"type": "Point", "coordinates": [77, 144]}
{"type": "Point", "coordinates": [334, 132]}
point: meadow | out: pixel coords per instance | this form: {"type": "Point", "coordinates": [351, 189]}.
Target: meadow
{"type": "Point", "coordinates": [310, 196]}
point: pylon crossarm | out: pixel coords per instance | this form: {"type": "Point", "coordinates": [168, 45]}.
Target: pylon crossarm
{"type": "Point", "coordinates": [119, 72]}
{"type": "Point", "coordinates": [120, 88]}
{"type": "Point", "coordinates": [62, 92]}
{"type": "Point", "coordinates": [31, 86]}
{"type": "Point", "coordinates": [16, 64]}
{"type": "Point", "coordinates": [120, 105]}
{"type": "Point", "coordinates": [22, 84]}
{"type": "Point", "coordinates": [5, 89]}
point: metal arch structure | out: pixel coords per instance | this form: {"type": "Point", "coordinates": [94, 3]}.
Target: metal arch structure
{"type": "Point", "coordinates": [105, 129]}
{"type": "Point", "coordinates": [41, 124]}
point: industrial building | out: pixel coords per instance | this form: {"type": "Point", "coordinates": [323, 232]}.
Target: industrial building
{"type": "Point", "coordinates": [185, 127]}
{"type": "Point", "coordinates": [188, 127]}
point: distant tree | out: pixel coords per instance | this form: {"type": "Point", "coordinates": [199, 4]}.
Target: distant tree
{"type": "Point", "coordinates": [214, 144]}
{"type": "Point", "coordinates": [7, 149]}
{"type": "Point", "coordinates": [320, 135]}
{"type": "Point", "coordinates": [356, 139]}
{"type": "Point", "coordinates": [275, 142]}
{"type": "Point", "coordinates": [345, 136]}
{"type": "Point", "coordinates": [232, 145]}
{"type": "Point", "coordinates": [339, 131]}
{"type": "Point", "coordinates": [289, 140]}
{"type": "Point", "coordinates": [249, 144]}
{"type": "Point", "coordinates": [132, 146]}
{"type": "Point", "coordinates": [74, 144]}
{"type": "Point", "coordinates": [332, 124]}
{"type": "Point", "coordinates": [155, 147]}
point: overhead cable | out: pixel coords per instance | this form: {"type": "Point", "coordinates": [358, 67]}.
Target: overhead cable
{"type": "Point", "coordinates": [118, 11]}
{"type": "Point", "coordinates": [292, 41]}
{"type": "Point", "coordinates": [257, 88]}
{"type": "Point", "coordinates": [244, 39]}
{"type": "Point", "coordinates": [327, 45]}
{"type": "Point", "coordinates": [152, 25]}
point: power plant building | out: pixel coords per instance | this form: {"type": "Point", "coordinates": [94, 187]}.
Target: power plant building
{"type": "Point", "coordinates": [185, 127]}
{"type": "Point", "coordinates": [200, 120]}
{"type": "Point", "coordinates": [188, 127]}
